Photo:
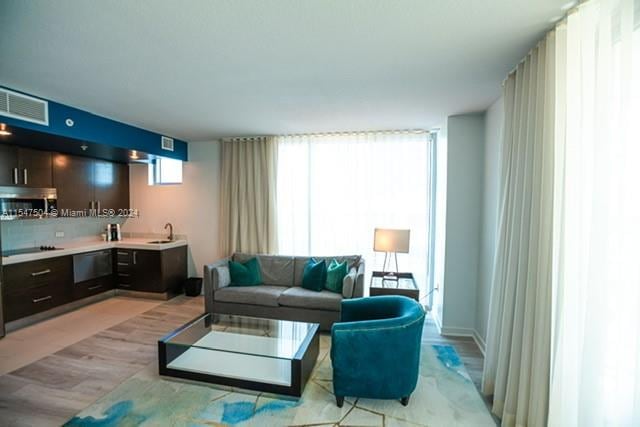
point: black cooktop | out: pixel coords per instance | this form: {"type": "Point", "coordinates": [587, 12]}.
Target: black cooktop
{"type": "Point", "coordinates": [29, 250]}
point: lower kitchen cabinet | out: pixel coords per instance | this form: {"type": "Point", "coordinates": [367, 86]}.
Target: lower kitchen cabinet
{"type": "Point", "coordinates": [93, 287]}
{"type": "Point", "coordinates": [151, 271]}
{"type": "Point", "coordinates": [36, 286]}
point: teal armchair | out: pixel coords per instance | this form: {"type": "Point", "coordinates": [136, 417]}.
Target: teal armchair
{"type": "Point", "coordinates": [375, 348]}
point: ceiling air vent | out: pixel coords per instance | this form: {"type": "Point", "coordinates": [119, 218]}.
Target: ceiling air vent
{"type": "Point", "coordinates": [24, 107]}
{"type": "Point", "coordinates": [167, 143]}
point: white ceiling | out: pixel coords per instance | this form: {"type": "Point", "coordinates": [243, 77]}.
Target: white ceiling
{"type": "Point", "coordinates": [203, 69]}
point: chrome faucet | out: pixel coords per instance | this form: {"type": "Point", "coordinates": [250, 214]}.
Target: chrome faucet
{"type": "Point", "coordinates": [170, 230]}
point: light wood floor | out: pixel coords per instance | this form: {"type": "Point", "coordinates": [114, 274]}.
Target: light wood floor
{"type": "Point", "coordinates": [27, 345]}
{"type": "Point", "coordinates": [53, 389]}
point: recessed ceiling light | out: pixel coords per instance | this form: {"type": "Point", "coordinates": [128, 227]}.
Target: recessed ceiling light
{"type": "Point", "coordinates": [134, 155]}
{"type": "Point", "coordinates": [3, 130]}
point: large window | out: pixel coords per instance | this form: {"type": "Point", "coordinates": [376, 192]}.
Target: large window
{"type": "Point", "coordinates": [335, 189]}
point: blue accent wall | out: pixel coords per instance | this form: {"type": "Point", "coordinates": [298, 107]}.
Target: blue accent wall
{"type": "Point", "coordinates": [92, 128]}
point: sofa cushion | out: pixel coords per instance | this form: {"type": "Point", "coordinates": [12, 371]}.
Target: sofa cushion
{"type": "Point", "coordinates": [315, 275]}
{"type": "Point", "coordinates": [255, 295]}
{"type": "Point", "coordinates": [275, 269]}
{"type": "Point", "coordinates": [336, 273]}
{"type": "Point", "coordinates": [304, 298]}
{"type": "Point", "coordinates": [245, 274]}
{"type": "Point", "coordinates": [301, 261]}
{"type": "Point", "coordinates": [221, 277]}
{"type": "Point", "coordinates": [348, 283]}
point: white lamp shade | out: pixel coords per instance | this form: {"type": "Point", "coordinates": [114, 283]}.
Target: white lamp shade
{"type": "Point", "coordinates": [390, 240]}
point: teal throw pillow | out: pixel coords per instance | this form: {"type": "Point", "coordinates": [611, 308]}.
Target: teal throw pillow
{"type": "Point", "coordinates": [335, 275]}
{"type": "Point", "coordinates": [315, 275]}
{"type": "Point", "coordinates": [245, 274]}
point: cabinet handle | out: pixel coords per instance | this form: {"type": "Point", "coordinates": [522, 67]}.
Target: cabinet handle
{"type": "Point", "coordinates": [123, 263]}
{"type": "Point", "coordinates": [134, 257]}
{"type": "Point", "coordinates": [37, 300]}
{"type": "Point", "coordinates": [25, 176]}
{"type": "Point", "coordinates": [124, 274]}
{"type": "Point", "coordinates": [123, 253]}
{"type": "Point", "coordinates": [92, 288]}
{"type": "Point", "coordinates": [40, 273]}
{"type": "Point", "coordinates": [122, 285]}
{"type": "Point", "coordinates": [15, 175]}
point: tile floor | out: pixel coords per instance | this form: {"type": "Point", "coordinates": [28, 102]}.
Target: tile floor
{"type": "Point", "coordinates": [24, 346]}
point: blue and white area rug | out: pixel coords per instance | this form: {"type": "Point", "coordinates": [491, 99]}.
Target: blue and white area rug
{"type": "Point", "coordinates": [445, 396]}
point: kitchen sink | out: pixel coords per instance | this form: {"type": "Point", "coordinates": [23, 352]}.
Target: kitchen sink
{"type": "Point", "coordinates": [158, 242]}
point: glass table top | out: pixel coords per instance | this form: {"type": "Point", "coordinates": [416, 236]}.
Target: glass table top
{"type": "Point", "coordinates": [280, 339]}
{"type": "Point", "coordinates": [402, 281]}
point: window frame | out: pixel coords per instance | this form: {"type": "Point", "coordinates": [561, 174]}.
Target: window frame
{"type": "Point", "coordinates": [155, 172]}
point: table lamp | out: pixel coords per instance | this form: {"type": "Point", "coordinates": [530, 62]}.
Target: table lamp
{"type": "Point", "coordinates": [390, 241]}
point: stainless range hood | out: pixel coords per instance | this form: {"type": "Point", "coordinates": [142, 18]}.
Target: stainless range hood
{"type": "Point", "coordinates": [27, 202]}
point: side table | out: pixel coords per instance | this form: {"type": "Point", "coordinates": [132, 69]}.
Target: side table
{"type": "Point", "coordinates": [405, 285]}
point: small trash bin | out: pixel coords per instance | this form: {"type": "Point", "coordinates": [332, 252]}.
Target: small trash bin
{"type": "Point", "coordinates": [193, 286]}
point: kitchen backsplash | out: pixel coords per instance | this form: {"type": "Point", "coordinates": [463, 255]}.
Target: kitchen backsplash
{"type": "Point", "coordinates": [30, 233]}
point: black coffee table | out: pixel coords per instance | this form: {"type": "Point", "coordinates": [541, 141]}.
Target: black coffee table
{"type": "Point", "coordinates": [274, 356]}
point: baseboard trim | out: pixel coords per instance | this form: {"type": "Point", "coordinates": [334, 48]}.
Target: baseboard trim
{"type": "Point", "coordinates": [162, 296]}
{"type": "Point", "coordinates": [436, 321]}
{"type": "Point", "coordinates": [57, 311]}
{"type": "Point", "coordinates": [465, 332]}
{"type": "Point", "coordinates": [482, 345]}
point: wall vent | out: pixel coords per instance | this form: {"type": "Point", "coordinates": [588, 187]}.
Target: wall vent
{"type": "Point", "coordinates": [23, 107]}
{"type": "Point", "coordinates": [167, 143]}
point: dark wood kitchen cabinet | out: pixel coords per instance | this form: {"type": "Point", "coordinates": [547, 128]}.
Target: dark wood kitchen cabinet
{"type": "Point", "coordinates": [8, 164]}
{"type": "Point", "coordinates": [85, 183]}
{"type": "Point", "coordinates": [111, 185]}
{"type": "Point", "coordinates": [34, 168]}
{"type": "Point", "coordinates": [73, 180]}
{"type": "Point", "coordinates": [36, 286]}
{"type": "Point", "coordinates": [151, 271]}
{"type": "Point", "coordinates": [25, 167]}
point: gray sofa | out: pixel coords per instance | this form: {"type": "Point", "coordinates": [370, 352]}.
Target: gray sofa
{"type": "Point", "coordinates": [281, 296]}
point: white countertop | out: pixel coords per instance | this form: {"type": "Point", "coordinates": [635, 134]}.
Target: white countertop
{"type": "Point", "coordinates": [71, 248]}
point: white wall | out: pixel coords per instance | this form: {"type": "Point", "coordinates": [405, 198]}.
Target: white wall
{"type": "Point", "coordinates": [494, 118]}
{"type": "Point", "coordinates": [465, 176]}
{"type": "Point", "coordinates": [191, 207]}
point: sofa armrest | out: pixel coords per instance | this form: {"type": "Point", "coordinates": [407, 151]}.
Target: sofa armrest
{"type": "Point", "coordinates": [358, 289]}
{"type": "Point", "coordinates": [213, 282]}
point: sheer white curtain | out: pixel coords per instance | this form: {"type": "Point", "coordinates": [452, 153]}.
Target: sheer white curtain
{"type": "Point", "coordinates": [595, 377]}
{"type": "Point", "coordinates": [516, 367]}
{"type": "Point", "coordinates": [334, 189]}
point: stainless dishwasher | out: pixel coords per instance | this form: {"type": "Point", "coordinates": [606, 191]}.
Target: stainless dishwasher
{"type": "Point", "coordinates": [91, 265]}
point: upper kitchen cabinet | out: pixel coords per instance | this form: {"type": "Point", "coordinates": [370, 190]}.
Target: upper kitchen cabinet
{"type": "Point", "coordinates": [8, 164]}
{"type": "Point", "coordinates": [111, 185]}
{"type": "Point", "coordinates": [73, 180]}
{"type": "Point", "coordinates": [84, 183]}
{"type": "Point", "coordinates": [25, 167]}
{"type": "Point", "coordinates": [34, 168]}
